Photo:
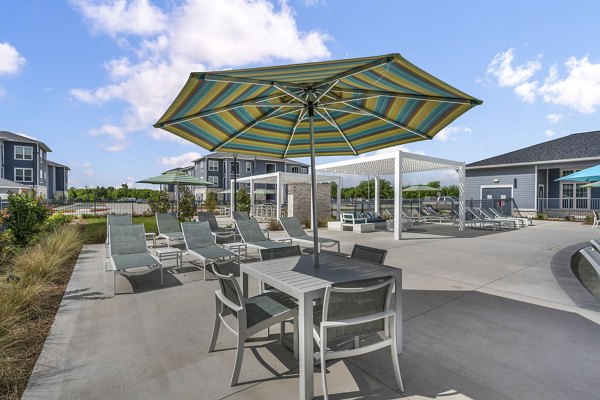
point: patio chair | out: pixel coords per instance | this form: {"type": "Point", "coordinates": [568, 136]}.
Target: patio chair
{"type": "Point", "coordinates": [523, 221]}
{"type": "Point", "coordinates": [294, 231]}
{"type": "Point", "coordinates": [473, 218]}
{"type": "Point", "coordinates": [114, 219]}
{"type": "Point", "coordinates": [370, 254]}
{"type": "Point", "coordinates": [353, 309]}
{"type": "Point", "coordinates": [253, 315]}
{"type": "Point", "coordinates": [129, 253]}
{"type": "Point", "coordinates": [517, 222]}
{"type": "Point", "coordinates": [168, 227]}
{"type": "Point", "coordinates": [596, 218]}
{"type": "Point", "coordinates": [200, 243]}
{"type": "Point", "coordinates": [254, 237]}
{"type": "Point", "coordinates": [244, 216]}
{"type": "Point", "coordinates": [217, 231]}
{"type": "Point", "coordinates": [591, 254]}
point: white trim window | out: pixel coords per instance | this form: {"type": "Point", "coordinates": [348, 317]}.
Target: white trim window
{"type": "Point", "coordinates": [248, 166]}
{"type": "Point", "coordinates": [572, 194]}
{"type": "Point", "coordinates": [214, 180]}
{"type": "Point", "coordinates": [213, 165]}
{"type": "Point", "coordinates": [23, 175]}
{"type": "Point", "coordinates": [295, 169]}
{"type": "Point", "coordinates": [23, 153]}
{"type": "Point", "coordinates": [305, 170]}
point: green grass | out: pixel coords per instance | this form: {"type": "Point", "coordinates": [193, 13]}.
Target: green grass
{"type": "Point", "coordinates": [95, 228]}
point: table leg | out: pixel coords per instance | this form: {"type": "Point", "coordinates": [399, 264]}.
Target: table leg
{"type": "Point", "coordinates": [244, 284]}
{"type": "Point", "coordinates": [305, 326]}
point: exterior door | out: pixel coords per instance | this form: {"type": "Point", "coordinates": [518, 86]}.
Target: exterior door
{"type": "Point", "coordinates": [497, 197]}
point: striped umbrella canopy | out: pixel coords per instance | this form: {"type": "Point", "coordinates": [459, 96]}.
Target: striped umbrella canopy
{"type": "Point", "coordinates": [342, 107]}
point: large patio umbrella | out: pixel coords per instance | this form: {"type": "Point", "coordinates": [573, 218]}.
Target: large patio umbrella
{"type": "Point", "coordinates": [342, 107]}
{"type": "Point", "coordinates": [591, 174]}
{"type": "Point", "coordinates": [176, 178]}
{"type": "Point", "coordinates": [419, 189]}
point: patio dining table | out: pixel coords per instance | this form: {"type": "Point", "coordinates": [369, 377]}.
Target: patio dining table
{"type": "Point", "coordinates": [298, 277]}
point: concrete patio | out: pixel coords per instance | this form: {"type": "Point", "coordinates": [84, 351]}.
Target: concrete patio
{"type": "Point", "coordinates": [494, 316]}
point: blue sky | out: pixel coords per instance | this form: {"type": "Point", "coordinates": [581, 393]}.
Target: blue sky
{"type": "Point", "coordinates": [89, 78]}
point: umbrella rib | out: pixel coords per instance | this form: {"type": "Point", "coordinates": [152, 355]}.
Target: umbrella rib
{"type": "Point", "coordinates": [327, 89]}
{"type": "Point", "coordinates": [231, 79]}
{"type": "Point", "coordinates": [388, 120]}
{"type": "Point", "coordinates": [289, 93]}
{"type": "Point", "coordinates": [300, 117]}
{"type": "Point", "coordinates": [374, 93]}
{"type": "Point", "coordinates": [356, 70]}
{"type": "Point", "coordinates": [333, 123]}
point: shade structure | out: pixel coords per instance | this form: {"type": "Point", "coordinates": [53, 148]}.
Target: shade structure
{"type": "Point", "coordinates": [176, 178]}
{"type": "Point", "coordinates": [591, 174]}
{"type": "Point", "coordinates": [420, 188]}
{"type": "Point", "coordinates": [342, 107]}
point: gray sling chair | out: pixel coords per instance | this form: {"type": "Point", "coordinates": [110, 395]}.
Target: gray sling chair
{"type": "Point", "coordinates": [168, 227]}
{"type": "Point", "coordinates": [294, 231]}
{"type": "Point", "coordinates": [112, 219]}
{"type": "Point", "coordinates": [253, 315]}
{"type": "Point", "coordinates": [200, 243]}
{"type": "Point", "coordinates": [217, 231]}
{"type": "Point", "coordinates": [370, 254]}
{"type": "Point", "coordinates": [129, 253]}
{"type": "Point", "coordinates": [243, 216]}
{"type": "Point", "coordinates": [253, 236]}
{"type": "Point", "coordinates": [352, 309]}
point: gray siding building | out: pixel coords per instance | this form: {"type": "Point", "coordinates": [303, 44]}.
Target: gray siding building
{"type": "Point", "coordinates": [529, 175]}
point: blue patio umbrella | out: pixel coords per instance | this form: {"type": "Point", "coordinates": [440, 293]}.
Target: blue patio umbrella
{"type": "Point", "coordinates": [591, 174]}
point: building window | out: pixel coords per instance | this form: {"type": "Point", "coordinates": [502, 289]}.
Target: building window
{"type": "Point", "coordinates": [270, 168]}
{"type": "Point", "coordinates": [573, 194]}
{"type": "Point", "coordinates": [23, 153]}
{"type": "Point", "coordinates": [23, 175]}
{"type": "Point", "coordinates": [213, 165]}
{"type": "Point", "coordinates": [248, 166]}
{"type": "Point", "coordinates": [202, 165]}
{"type": "Point", "coordinates": [305, 170]}
{"type": "Point", "coordinates": [231, 169]}
{"type": "Point", "coordinates": [214, 180]}
{"type": "Point", "coordinates": [295, 169]}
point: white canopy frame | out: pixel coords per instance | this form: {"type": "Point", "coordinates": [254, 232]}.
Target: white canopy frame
{"type": "Point", "coordinates": [397, 163]}
{"type": "Point", "coordinates": [283, 178]}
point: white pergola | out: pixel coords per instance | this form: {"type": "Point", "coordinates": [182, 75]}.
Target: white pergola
{"type": "Point", "coordinates": [284, 178]}
{"type": "Point", "coordinates": [397, 163]}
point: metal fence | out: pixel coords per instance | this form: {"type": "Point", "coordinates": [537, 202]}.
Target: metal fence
{"type": "Point", "coordinates": [579, 208]}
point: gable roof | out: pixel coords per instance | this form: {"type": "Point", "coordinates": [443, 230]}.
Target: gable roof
{"type": "Point", "coordinates": [583, 145]}
{"type": "Point", "coordinates": [13, 137]}
{"type": "Point", "coordinates": [55, 164]}
{"type": "Point", "coordinates": [5, 183]}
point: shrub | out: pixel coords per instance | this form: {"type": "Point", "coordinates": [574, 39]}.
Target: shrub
{"type": "Point", "coordinates": [26, 215]}
{"type": "Point", "coordinates": [57, 220]}
{"type": "Point", "coordinates": [159, 202]}
{"type": "Point", "coordinates": [274, 225]}
{"type": "Point", "coordinates": [242, 201]}
{"type": "Point", "coordinates": [541, 216]}
{"type": "Point", "coordinates": [211, 201]}
{"type": "Point", "coordinates": [187, 204]}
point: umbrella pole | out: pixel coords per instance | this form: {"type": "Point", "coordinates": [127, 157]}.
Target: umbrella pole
{"type": "Point", "coordinates": [313, 185]}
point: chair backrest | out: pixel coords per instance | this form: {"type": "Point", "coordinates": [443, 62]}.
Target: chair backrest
{"type": "Point", "coordinates": [370, 254]}
{"type": "Point", "coordinates": [279, 252]}
{"type": "Point", "coordinates": [250, 231]}
{"type": "Point", "coordinates": [127, 239]}
{"type": "Point", "coordinates": [240, 216]}
{"type": "Point", "coordinates": [348, 218]}
{"type": "Point", "coordinates": [430, 210]}
{"type": "Point", "coordinates": [197, 235]}
{"type": "Point", "coordinates": [121, 219]}
{"type": "Point", "coordinates": [167, 223]}
{"type": "Point", "coordinates": [229, 286]}
{"type": "Point", "coordinates": [292, 226]}
{"type": "Point", "coordinates": [210, 218]}
{"type": "Point", "coordinates": [486, 214]}
{"type": "Point", "coordinates": [357, 299]}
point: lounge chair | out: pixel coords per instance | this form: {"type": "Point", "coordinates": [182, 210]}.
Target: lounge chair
{"type": "Point", "coordinates": [471, 218]}
{"type": "Point", "coordinates": [294, 231]}
{"type": "Point", "coordinates": [113, 219]}
{"type": "Point", "coordinates": [200, 243]}
{"type": "Point", "coordinates": [524, 221]}
{"type": "Point", "coordinates": [509, 223]}
{"type": "Point", "coordinates": [518, 222]}
{"type": "Point", "coordinates": [353, 309]}
{"type": "Point", "coordinates": [252, 315]}
{"type": "Point", "coordinates": [591, 254]}
{"type": "Point", "coordinates": [253, 236]}
{"type": "Point", "coordinates": [168, 227]}
{"type": "Point", "coordinates": [244, 216]}
{"type": "Point", "coordinates": [370, 254]}
{"type": "Point", "coordinates": [129, 253]}
{"type": "Point", "coordinates": [217, 231]}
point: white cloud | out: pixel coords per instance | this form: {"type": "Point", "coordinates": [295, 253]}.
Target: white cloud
{"type": "Point", "coordinates": [450, 132]}
{"type": "Point", "coordinates": [202, 34]}
{"type": "Point", "coordinates": [554, 118]}
{"type": "Point", "coordinates": [549, 133]}
{"type": "Point", "coordinates": [88, 172]}
{"type": "Point", "coordinates": [11, 61]}
{"type": "Point", "coordinates": [116, 17]}
{"type": "Point", "coordinates": [181, 160]}
{"type": "Point", "coordinates": [501, 67]}
{"type": "Point", "coordinates": [527, 91]}
{"type": "Point", "coordinates": [580, 89]}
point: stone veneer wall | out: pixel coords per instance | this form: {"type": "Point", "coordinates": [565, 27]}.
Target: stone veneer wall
{"type": "Point", "coordinates": [299, 201]}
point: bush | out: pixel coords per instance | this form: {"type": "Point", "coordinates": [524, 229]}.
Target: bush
{"type": "Point", "coordinates": [26, 216]}
{"type": "Point", "coordinates": [159, 202]}
{"type": "Point", "coordinates": [187, 204]}
{"type": "Point", "coordinates": [211, 201]}
{"type": "Point", "coordinates": [274, 225]}
{"type": "Point", "coordinates": [541, 216]}
{"type": "Point", "coordinates": [242, 201]}
{"type": "Point", "coordinates": [57, 220]}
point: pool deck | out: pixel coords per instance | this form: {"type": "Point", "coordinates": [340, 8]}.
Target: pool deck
{"type": "Point", "coordinates": [488, 317]}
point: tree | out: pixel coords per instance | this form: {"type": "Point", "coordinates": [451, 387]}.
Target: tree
{"type": "Point", "coordinates": [159, 202]}
{"type": "Point", "coordinates": [187, 204]}
{"type": "Point", "coordinates": [366, 189]}
{"type": "Point", "coordinates": [211, 201]}
{"type": "Point", "coordinates": [27, 213]}
{"type": "Point", "coordinates": [242, 200]}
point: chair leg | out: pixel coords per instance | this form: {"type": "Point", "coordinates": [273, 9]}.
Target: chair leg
{"type": "Point", "coordinates": [216, 327]}
{"type": "Point", "coordinates": [114, 283]}
{"type": "Point", "coordinates": [238, 360]}
{"type": "Point", "coordinates": [356, 342]}
{"type": "Point", "coordinates": [204, 267]}
{"type": "Point", "coordinates": [394, 355]}
{"type": "Point", "coordinates": [324, 371]}
{"type": "Point", "coordinates": [296, 326]}
{"type": "Point", "coordinates": [281, 331]}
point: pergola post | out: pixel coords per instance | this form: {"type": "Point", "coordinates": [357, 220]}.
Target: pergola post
{"type": "Point", "coordinates": [398, 196]}
{"type": "Point", "coordinates": [278, 195]}
{"type": "Point", "coordinates": [338, 205]}
{"type": "Point", "coordinates": [461, 197]}
{"type": "Point", "coordinates": [232, 197]}
{"type": "Point", "coordinates": [377, 192]}
{"type": "Point", "coordinates": [252, 194]}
